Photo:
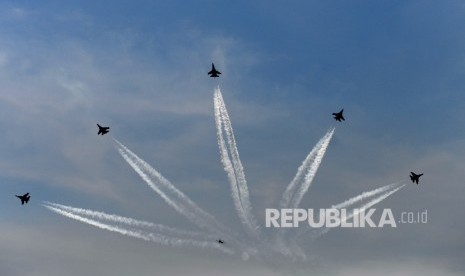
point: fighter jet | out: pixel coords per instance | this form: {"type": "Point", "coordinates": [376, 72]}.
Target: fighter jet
{"type": "Point", "coordinates": [415, 177]}
{"type": "Point", "coordinates": [24, 198]}
{"type": "Point", "coordinates": [220, 241]}
{"type": "Point", "coordinates": [338, 116]}
{"type": "Point", "coordinates": [214, 73]}
{"type": "Point", "coordinates": [102, 130]}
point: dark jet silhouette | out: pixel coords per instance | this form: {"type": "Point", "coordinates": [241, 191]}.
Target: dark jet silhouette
{"type": "Point", "coordinates": [102, 130]}
{"type": "Point", "coordinates": [338, 116]}
{"type": "Point", "coordinates": [220, 241]}
{"type": "Point", "coordinates": [214, 73]}
{"type": "Point", "coordinates": [415, 177]}
{"type": "Point", "coordinates": [24, 198]}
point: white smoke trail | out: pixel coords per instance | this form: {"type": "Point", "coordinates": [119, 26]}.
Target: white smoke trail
{"type": "Point", "coordinates": [174, 197]}
{"type": "Point", "coordinates": [296, 190]}
{"type": "Point", "coordinates": [153, 237]}
{"type": "Point", "coordinates": [364, 207]}
{"type": "Point", "coordinates": [376, 201]}
{"type": "Point", "coordinates": [237, 165]}
{"type": "Point", "coordinates": [97, 224]}
{"type": "Point", "coordinates": [364, 195]}
{"type": "Point", "coordinates": [300, 184]}
{"type": "Point", "coordinates": [233, 168]}
{"type": "Point", "coordinates": [227, 162]}
{"type": "Point", "coordinates": [162, 229]}
{"type": "Point", "coordinates": [178, 200]}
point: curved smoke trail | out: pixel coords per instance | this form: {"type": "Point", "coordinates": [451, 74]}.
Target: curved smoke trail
{"type": "Point", "coordinates": [153, 237]}
{"type": "Point", "coordinates": [233, 166]}
{"type": "Point", "coordinates": [305, 174]}
{"type": "Point", "coordinates": [163, 187]}
{"type": "Point", "coordinates": [162, 229]}
{"type": "Point", "coordinates": [364, 195]}
{"type": "Point", "coordinates": [176, 199]}
{"type": "Point", "coordinates": [358, 210]}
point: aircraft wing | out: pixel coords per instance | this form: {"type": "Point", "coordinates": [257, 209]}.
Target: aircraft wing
{"type": "Point", "coordinates": [214, 72]}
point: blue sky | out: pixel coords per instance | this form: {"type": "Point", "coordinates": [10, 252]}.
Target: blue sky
{"type": "Point", "coordinates": [396, 67]}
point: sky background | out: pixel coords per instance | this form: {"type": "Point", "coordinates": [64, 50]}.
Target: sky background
{"type": "Point", "coordinates": [396, 67]}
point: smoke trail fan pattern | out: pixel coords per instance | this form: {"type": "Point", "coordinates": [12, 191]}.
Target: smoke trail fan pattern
{"type": "Point", "coordinates": [255, 243]}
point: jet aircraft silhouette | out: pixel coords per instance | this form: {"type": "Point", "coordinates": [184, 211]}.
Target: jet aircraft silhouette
{"type": "Point", "coordinates": [24, 198]}
{"type": "Point", "coordinates": [102, 130]}
{"type": "Point", "coordinates": [338, 116]}
{"type": "Point", "coordinates": [415, 177]}
{"type": "Point", "coordinates": [214, 73]}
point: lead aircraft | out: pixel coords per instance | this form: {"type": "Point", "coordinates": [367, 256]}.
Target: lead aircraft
{"type": "Point", "coordinates": [213, 72]}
